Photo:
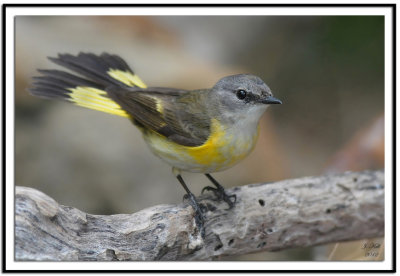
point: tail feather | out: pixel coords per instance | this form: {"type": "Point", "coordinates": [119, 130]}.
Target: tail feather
{"type": "Point", "coordinates": [103, 69]}
{"type": "Point", "coordinates": [86, 66]}
{"type": "Point", "coordinates": [57, 84]}
{"type": "Point", "coordinates": [57, 77]}
{"type": "Point", "coordinates": [98, 73]}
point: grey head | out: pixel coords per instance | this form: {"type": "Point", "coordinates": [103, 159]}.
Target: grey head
{"type": "Point", "coordinates": [241, 97]}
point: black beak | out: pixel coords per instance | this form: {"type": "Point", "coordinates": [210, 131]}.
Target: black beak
{"type": "Point", "coordinates": [271, 100]}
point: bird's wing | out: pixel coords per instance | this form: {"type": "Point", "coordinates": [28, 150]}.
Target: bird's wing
{"type": "Point", "coordinates": [179, 115]}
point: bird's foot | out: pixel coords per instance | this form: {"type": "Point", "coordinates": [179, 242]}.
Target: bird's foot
{"type": "Point", "coordinates": [220, 194]}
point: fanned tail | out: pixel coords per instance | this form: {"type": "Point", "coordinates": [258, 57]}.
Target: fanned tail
{"type": "Point", "coordinates": [89, 89]}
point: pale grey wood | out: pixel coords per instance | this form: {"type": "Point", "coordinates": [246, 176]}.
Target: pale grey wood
{"type": "Point", "coordinates": [268, 216]}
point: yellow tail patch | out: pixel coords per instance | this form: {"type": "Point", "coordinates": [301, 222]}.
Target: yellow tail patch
{"type": "Point", "coordinates": [93, 98]}
{"type": "Point", "coordinates": [127, 78]}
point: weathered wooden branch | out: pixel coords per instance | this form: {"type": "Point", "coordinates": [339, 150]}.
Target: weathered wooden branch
{"type": "Point", "coordinates": [269, 216]}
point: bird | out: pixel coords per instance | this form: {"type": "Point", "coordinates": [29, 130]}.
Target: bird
{"type": "Point", "coordinates": [200, 131]}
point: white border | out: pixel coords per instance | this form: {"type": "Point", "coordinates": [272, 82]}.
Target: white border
{"type": "Point", "coordinates": [11, 264]}
{"type": "Point", "coordinates": [239, 11]}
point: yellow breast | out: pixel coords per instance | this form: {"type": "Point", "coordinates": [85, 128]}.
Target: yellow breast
{"type": "Point", "coordinates": [223, 149]}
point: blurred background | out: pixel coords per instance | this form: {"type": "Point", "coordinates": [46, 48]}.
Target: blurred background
{"type": "Point", "coordinates": [327, 70]}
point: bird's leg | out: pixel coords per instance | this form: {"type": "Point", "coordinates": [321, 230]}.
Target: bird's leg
{"type": "Point", "coordinates": [219, 191]}
{"type": "Point", "coordinates": [199, 217]}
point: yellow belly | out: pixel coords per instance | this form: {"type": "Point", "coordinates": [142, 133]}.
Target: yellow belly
{"type": "Point", "coordinates": [223, 149]}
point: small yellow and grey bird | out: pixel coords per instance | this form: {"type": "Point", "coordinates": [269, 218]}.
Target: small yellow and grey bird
{"type": "Point", "coordinates": [202, 131]}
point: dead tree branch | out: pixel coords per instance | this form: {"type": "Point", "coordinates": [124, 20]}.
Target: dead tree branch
{"type": "Point", "coordinates": [269, 216]}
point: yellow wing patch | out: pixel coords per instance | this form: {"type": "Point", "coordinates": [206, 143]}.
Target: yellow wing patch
{"type": "Point", "coordinates": [127, 78]}
{"type": "Point", "coordinates": [93, 98]}
{"type": "Point", "coordinates": [159, 106]}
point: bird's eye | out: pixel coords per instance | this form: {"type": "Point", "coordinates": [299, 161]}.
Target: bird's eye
{"type": "Point", "coordinates": [241, 94]}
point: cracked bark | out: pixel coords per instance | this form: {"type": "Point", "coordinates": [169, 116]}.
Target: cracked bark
{"type": "Point", "coordinates": [268, 216]}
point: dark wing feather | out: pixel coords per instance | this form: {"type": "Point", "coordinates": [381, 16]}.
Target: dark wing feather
{"type": "Point", "coordinates": [175, 114]}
